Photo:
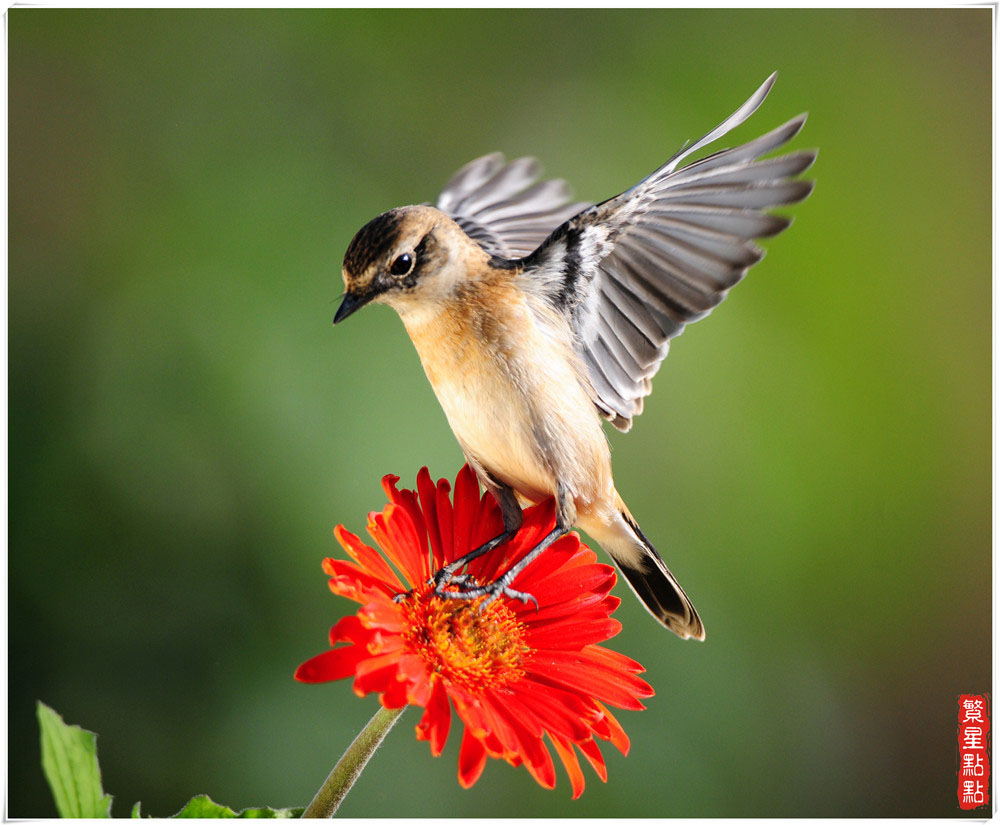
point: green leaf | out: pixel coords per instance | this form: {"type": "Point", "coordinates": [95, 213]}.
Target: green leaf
{"type": "Point", "coordinates": [201, 807]}
{"type": "Point", "coordinates": [69, 759]}
{"type": "Point", "coordinates": [271, 813]}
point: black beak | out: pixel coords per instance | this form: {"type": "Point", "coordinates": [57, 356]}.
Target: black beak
{"type": "Point", "coordinates": [350, 305]}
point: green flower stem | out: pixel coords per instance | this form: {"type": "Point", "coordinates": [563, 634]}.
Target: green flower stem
{"type": "Point", "coordinates": [346, 772]}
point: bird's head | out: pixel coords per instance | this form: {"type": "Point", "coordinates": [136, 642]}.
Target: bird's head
{"type": "Point", "coordinates": [406, 257]}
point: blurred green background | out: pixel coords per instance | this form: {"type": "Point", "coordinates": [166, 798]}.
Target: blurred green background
{"type": "Point", "coordinates": [186, 426]}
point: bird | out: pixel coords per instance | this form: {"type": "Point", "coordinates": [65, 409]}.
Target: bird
{"type": "Point", "coordinates": [536, 318]}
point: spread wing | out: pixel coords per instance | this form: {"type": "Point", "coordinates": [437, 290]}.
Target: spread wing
{"type": "Point", "coordinates": [504, 206]}
{"type": "Point", "coordinates": [633, 271]}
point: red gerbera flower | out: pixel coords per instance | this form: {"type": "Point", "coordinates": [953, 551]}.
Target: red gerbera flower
{"type": "Point", "coordinates": [515, 673]}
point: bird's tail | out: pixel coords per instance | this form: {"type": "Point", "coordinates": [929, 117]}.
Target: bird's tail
{"type": "Point", "coordinates": [649, 577]}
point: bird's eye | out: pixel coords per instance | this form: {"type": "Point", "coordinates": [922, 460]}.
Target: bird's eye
{"type": "Point", "coordinates": [403, 265]}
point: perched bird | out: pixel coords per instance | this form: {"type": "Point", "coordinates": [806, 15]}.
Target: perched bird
{"type": "Point", "coordinates": [535, 318]}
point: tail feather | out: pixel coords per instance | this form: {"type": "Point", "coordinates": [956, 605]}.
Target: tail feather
{"type": "Point", "coordinates": [660, 592]}
{"type": "Point", "coordinates": [651, 581]}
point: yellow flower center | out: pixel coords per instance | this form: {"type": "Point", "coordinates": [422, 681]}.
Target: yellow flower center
{"type": "Point", "coordinates": [471, 648]}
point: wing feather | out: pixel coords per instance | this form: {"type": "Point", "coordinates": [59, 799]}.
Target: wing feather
{"type": "Point", "coordinates": [608, 398]}
{"type": "Point", "coordinates": [744, 223]}
{"type": "Point", "coordinates": [504, 206]}
{"type": "Point", "coordinates": [620, 350]}
{"type": "Point", "coordinates": [633, 271]}
{"type": "Point", "coordinates": [654, 326]}
{"type": "Point", "coordinates": [762, 195]}
{"type": "Point", "coordinates": [754, 148]}
{"type": "Point", "coordinates": [616, 374]}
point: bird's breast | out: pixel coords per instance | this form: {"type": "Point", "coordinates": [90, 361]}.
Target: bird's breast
{"type": "Point", "coordinates": [512, 397]}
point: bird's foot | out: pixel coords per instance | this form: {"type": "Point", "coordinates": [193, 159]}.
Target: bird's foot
{"type": "Point", "coordinates": [439, 581]}
{"type": "Point", "coordinates": [449, 575]}
{"type": "Point", "coordinates": [468, 589]}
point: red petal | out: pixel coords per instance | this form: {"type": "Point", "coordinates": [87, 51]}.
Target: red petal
{"type": "Point", "coordinates": [573, 634]}
{"type": "Point", "coordinates": [601, 727]}
{"type": "Point", "coordinates": [541, 517]}
{"type": "Point", "coordinates": [407, 499]}
{"type": "Point", "coordinates": [495, 748]}
{"type": "Point", "coordinates": [514, 707]}
{"type": "Point", "coordinates": [407, 539]}
{"type": "Point", "coordinates": [368, 558]}
{"type": "Point", "coordinates": [386, 641]}
{"type": "Point", "coordinates": [561, 712]}
{"type": "Point", "coordinates": [592, 754]}
{"type": "Point", "coordinates": [597, 604]}
{"type": "Point", "coordinates": [553, 559]}
{"type": "Point", "coordinates": [395, 694]}
{"type": "Point", "coordinates": [399, 555]}
{"type": "Point", "coordinates": [436, 721]}
{"type": "Point", "coordinates": [618, 736]}
{"type": "Point", "coordinates": [403, 497]}
{"type": "Point", "coordinates": [414, 671]}
{"type": "Point", "coordinates": [389, 487]}
{"type": "Point", "coordinates": [572, 765]}
{"type": "Point", "coordinates": [428, 503]}
{"type": "Point", "coordinates": [577, 553]}
{"type": "Point", "coordinates": [488, 567]}
{"type": "Point", "coordinates": [488, 523]}
{"type": "Point", "coordinates": [350, 629]}
{"type": "Point", "coordinates": [349, 580]}
{"type": "Point", "coordinates": [538, 523]}
{"type": "Point", "coordinates": [554, 612]}
{"type": "Point", "coordinates": [498, 728]}
{"type": "Point", "coordinates": [331, 665]}
{"type": "Point", "coordinates": [471, 760]}
{"type": "Point", "coordinates": [445, 521]}
{"type": "Point", "coordinates": [618, 667]}
{"type": "Point", "coordinates": [382, 615]}
{"type": "Point", "coordinates": [466, 500]}
{"type": "Point", "coordinates": [531, 748]}
{"type": "Point", "coordinates": [470, 710]}
{"type": "Point", "coordinates": [573, 671]}
{"type": "Point", "coordinates": [559, 556]}
{"type": "Point", "coordinates": [374, 673]}
{"type": "Point", "coordinates": [567, 585]}
{"type": "Point", "coordinates": [618, 661]}
{"type": "Point", "coordinates": [596, 611]}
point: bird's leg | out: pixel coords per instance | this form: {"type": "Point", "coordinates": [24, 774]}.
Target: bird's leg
{"type": "Point", "coordinates": [512, 519]}
{"type": "Point", "coordinates": [446, 575]}
{"type": "Point", "coordinates": [501, 587]}
{"type": "Point", "coordinates": [565, 512]}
